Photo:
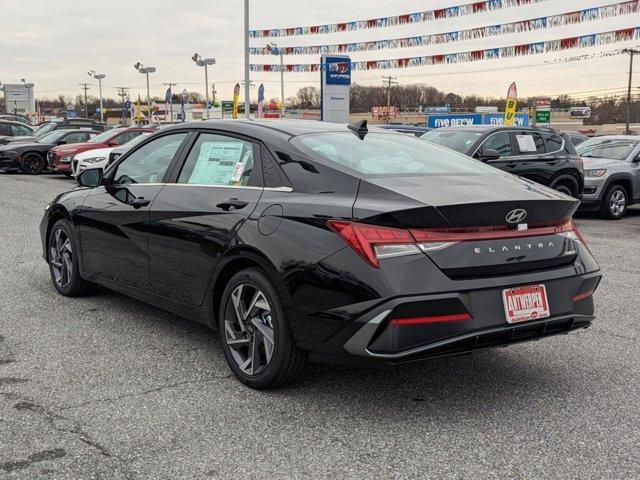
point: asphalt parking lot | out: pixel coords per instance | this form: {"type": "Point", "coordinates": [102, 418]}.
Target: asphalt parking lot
{"type": "Point", "coordinates": [107, 387]}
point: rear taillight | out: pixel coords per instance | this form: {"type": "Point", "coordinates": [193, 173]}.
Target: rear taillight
{"type": "Point", "coordinates": [374, 242]}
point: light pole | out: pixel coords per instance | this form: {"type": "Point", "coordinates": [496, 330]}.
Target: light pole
{"type": "Point", "coordinates": [99, 77]}
{"type": "Point", "coordinates": [204, 62]}
{"type": "Point", "coordinates": [273, 48]}
{"type": "Point", "coordinates": [247, 107]}
{"type": "Point", "coordinates": [146, 71]}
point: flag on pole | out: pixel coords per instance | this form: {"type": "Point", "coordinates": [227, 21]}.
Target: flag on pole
{"type": "Point", "coordinates": [236, 96]}
{"type": "Point", "coordinates": [261, 100]}
{"type": "Point", "coordinates": [512, 103]}
{"type": "Point", "coordinates": [167, 104]}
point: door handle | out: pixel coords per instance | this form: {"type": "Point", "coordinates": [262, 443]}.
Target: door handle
{"type": "Point", "coordinates": [140, 202]}
{"type": "Point", "coordinates": [232, 203]}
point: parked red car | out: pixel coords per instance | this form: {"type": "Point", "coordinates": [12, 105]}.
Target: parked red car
{"type": "Point", "coordinates": [60, 157]}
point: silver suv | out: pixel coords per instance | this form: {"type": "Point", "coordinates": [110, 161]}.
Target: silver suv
{"type": "Point", "coordinates": [611, 174]}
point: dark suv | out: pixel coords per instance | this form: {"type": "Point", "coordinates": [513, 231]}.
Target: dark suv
{"type": "Point", "coordinates": [543, 155]}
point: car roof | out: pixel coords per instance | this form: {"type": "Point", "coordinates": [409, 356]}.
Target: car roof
{"type": "Point", "coordinates": [634, 138]}
{"type": "Point", "coordinates": [485, 128]}
{"type": "Point", "coordinates": [286, 127]}
{"type": "Point", "coordinates": [14, 122]}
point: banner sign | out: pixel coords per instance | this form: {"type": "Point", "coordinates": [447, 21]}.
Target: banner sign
{"type": "Point", "coordinates": [383, 22]}
{"type": "Point", "coordinates": [464, 119]}
{"type": "Point", "coordinates": [536, 48]}
{"type": "Point", "coordinates": [512, 103]}
{"type": "Point", "coordinates": [236, 95]}
{"type": "Point", "coordinates": [381, 112]}
{"type": "Point", "coordinates": [530, 25]}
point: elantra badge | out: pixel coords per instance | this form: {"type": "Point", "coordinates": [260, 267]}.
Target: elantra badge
{"type": "Point", "coordinates": [516, 216]}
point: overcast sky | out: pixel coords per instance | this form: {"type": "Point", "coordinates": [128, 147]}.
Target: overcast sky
{"type": "Point", "coordinates": [53, 44]}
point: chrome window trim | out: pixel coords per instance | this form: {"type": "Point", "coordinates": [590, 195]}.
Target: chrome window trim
{"type": "Point", "coordinates": [517, 157]}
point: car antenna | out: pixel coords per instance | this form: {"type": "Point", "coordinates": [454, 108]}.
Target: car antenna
{"type": "Point", "coordinates": [359, 128]}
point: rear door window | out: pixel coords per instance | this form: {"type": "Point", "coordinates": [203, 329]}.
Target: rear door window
{"type": "Point", "coordinates": [554, 143]}
{"type": "Point", "coordinates": [76, 137]}
{"type": "Point", "coordinates": [529, 143]}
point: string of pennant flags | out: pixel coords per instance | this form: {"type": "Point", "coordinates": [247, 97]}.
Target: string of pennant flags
{"type": "Point", "coordinates": [382, 22]}
{"type": "Point", "coordinates": [553, 21]}
{"type": "Point", "coordinates": [592, 40]}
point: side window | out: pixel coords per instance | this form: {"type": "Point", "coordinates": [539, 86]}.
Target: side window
{"type": "Point", "coordinates": [20, 130]}
{"type": "Point", "coordinates": [126, 137]}
{"type": "Point", "coordinates": [4, 129]}
{"type": "Point", "coordinates": [218, 160]}
{"type": "Point", "coordinates": [501, 142]}
{"type": "Point", "coordinates": [530, 143]}
{"type": "Point", "coordinates": [273, 175]}
{"type": "Point", "coordinates": [76, 137]}
{"type": "Point", "coordinates": [149, 163]}
{"type": "Point", "coordinates": [553, 142]}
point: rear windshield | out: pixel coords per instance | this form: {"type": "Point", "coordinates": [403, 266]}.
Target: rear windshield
{"type": "Point", "coordinates": [458, 140]}
{"type": "Point", "coordinates": [384, 154]}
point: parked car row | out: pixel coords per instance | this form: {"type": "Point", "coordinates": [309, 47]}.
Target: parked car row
{"type": "Point", "coordinates": [604, 172]}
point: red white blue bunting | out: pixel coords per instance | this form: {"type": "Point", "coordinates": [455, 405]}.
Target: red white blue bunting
{"type": "Point", "coordinates": [417, 17]}
{"type": "Point", "coordinates": [584, 41]}
{"type": "Point", "coordinates": [534, 24]}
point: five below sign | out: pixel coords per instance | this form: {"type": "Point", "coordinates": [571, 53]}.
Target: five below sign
{"type": "Point", "coordinates": [454, 120]}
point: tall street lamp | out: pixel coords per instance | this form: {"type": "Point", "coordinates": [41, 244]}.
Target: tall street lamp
{"type": "Point", "coordinates": [99, 77]}
{"type": "Point", "coordinates": [273, 48]}
{"type": "Point", "coordinates": [247, 107]}
{"type": "Point", "coordinates": [146, 71]}
{"type": "Point", "coordinates": [204, 62]}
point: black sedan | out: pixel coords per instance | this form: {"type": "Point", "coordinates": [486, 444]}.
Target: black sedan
{"type": "Point", "coordinates": [30, 156]}
{"type": "Point", "coordinates": [543, 155]}
{"type": "Point", "coordinates": [306, 241]}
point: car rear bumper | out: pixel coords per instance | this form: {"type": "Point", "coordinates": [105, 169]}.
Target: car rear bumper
{"type": "Point", "coordinates": [373, 339]}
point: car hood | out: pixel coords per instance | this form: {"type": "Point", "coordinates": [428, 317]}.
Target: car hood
{"type": "Point", "coordinates": [593, 163]}
{"type": "Point", "coordinates": [24, 145]}
{"type": "Point", "coordinates": [74, 148]}
{"type": "Point", "coordinates": [96, 152]}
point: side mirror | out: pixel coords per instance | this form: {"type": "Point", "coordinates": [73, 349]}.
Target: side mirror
{"type": "Point", "coordinates": [62, 142]}
{"type": "Point", "coordinates": [91, 177]}
{"type": "Point", "coordinates": [489, 154]}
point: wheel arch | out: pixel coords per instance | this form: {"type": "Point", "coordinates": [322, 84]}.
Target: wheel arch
{"type": "Point", "coordinates": [566, 176]}
{"type": "Point", "coordinates": [56, 213]}
{"type": "Point", "coordinates": [234, 260]}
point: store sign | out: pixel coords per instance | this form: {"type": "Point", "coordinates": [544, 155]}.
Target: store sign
{"type": "Point", "coordinates": [543, 112]}
{"type": "Point", "coordinates": [334, 88]}
{"type": "Point", "coordinates": [437, 110]}
{"type": "Point", "coordinates": [18, 98]}
{"type": "Point", "coordinates": [520, 120]}
{"type": "Point", "coordinates": [438, 121]}
{"type": "Point", "coordinates": [580, 112]}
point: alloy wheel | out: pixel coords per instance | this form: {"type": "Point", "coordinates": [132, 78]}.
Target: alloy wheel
{"type": "Point", "coordinates": [31, 164]}
{"type": "Point", "coordinates": [248, 329]}
{"type": "Point", "coordinates": [61, 258]}
{"type": "Point", "coordinates": [617, 203]}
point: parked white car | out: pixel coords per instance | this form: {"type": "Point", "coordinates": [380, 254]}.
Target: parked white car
{"type": "Point", "coordinates": [91, 159]}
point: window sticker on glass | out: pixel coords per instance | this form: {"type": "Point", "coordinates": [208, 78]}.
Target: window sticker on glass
{"type": "Point", "coordinates": [218, 163]}
{"type": "Point", "coordinates": [526, 143]}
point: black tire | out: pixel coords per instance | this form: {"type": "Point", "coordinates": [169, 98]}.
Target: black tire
{"type": "Point", "coordinates": [614, 203]}
{"type": "Point", "coordinates": [287, 363]}
{"type": "Point", "coordinates": [32, 164]}
{"type": "Point", "coordinates": [564, 188]}
{"type": "Point", "coordinates": [63, 263]}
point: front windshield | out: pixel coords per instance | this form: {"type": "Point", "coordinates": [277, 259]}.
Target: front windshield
{"type": "Point", "coordinates": [52, 137]}
{"type": "Point", "coordinates": [458, 140]}
{"type": "Point", "coordinates": [610, 148]}
{"type": "Point", "coordinates": [386, 154]}
{"type": "Point", "coordinates": [43, 129]}
{"type": "Point", "coordinates": [104, 136]}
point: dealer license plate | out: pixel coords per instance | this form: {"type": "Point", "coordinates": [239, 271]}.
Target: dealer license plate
{"type": "Point", "coordinates": [522, 304]}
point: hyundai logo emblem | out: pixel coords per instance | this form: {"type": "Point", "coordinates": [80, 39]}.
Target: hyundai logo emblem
{"type": "Point", "coordinates": [516, 216]}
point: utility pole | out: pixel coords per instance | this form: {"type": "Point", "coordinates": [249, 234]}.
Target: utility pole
{"type": "Point", "coordinates": [247, 102]}
{"type": "Point", "coordinates": [122, 93]}
{"type": "Point", "coordinates": [170, 85]}
{"type": "Point", "coordinates": [85, 86]}
{"type": "Point", "coordinates": [389, 81]}
{"type": "Point", "coordinates": [631, 53]}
